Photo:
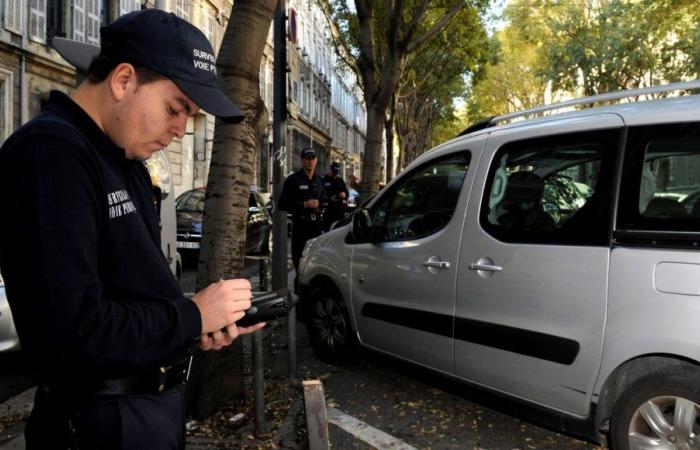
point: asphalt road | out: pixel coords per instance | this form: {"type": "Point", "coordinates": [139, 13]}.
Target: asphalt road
{"type": "Point", "coordinates": [414, 406]}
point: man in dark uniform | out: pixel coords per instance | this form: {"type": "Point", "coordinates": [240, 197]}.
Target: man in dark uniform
{"type": "Point", "coordinates": [302, 195]}
{"type": "Point", "coordinates": [95, 304]}
{"type": "Point", "coordinates": [337, 195]}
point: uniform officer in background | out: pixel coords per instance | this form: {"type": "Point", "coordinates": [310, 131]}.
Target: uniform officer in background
{"type": "Point", "coordinates": [302, 195]}
{"type": "Point", "coordinates": [336, 194]}
{"type": "Point", "coordinates": [97, 309]}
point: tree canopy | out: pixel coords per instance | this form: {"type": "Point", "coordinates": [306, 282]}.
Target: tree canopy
{"type": "Point", "coordinates": [375, 39]}
{"type": "Point", "coordinates": [587, 47]}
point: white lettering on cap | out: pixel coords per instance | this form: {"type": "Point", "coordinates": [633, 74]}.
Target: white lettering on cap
{"type": "Point", "coordinates": [204, 60]}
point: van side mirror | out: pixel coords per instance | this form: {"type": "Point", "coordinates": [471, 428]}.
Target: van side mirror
{"type": "Point", "coordinates": [361, 226]}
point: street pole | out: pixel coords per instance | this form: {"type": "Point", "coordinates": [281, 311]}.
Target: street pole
{"type": "Point", "coordinates": [279, 125]}
{"type": "Point", "coordinates": [279, 133]}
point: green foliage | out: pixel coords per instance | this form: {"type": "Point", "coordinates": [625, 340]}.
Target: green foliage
{"type": "Point", "coordinates": [433, 78]}
{"type": "Point", "coordinates": [586, 47]}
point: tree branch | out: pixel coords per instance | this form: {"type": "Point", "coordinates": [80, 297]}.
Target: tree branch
{"type": "Point", "coordinates": [439, 26]}
{"type": "Point", "coordinates": [341, 46]}
{"type": "Point", "coordinates": [367, 62]}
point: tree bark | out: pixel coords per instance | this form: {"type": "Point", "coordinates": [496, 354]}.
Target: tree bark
{"type": "Point", "coordinates": [389, 133]}
{"type": "Point", "coordinates": [218, 376]}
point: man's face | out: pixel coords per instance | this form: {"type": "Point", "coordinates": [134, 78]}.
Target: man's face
{"type": "Point", "coordinates": [149, 117]}
{"type": "Point", "coordinates": [309, 164]}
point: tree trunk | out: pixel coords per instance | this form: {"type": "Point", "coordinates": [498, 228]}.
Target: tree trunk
{"type": "Point", "coordinates": [218, 376]}
{"type": "Point", "coordinates": [389, 132]}
{"type": "Point", "coordinates": [371, 162]}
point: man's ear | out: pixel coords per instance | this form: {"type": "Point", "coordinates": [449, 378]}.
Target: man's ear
{"type": "Point", "coordinates": [122, 80]}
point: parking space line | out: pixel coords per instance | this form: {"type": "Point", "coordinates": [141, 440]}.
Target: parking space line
{"type": "Point", "coordinates": [374, 437]}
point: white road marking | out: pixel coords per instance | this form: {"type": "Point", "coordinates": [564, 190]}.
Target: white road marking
{"type": "Point", "coordinates": [374, 437]}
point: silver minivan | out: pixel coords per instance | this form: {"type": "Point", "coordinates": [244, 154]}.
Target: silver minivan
{"type": "Point", "coordinates": [554, 260]}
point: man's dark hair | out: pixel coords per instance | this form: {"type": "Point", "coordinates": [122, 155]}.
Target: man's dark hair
{"type": "Point", "coordinates": [102, 65]}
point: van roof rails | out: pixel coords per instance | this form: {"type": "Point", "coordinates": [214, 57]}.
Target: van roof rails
{"type": "Point", "coordinates": [480, 125]}
{"type": "Point", "coordinates": [684, 85]}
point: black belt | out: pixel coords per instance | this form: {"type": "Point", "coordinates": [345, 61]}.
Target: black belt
{"type": "Point", "coordinates": [149, 381]}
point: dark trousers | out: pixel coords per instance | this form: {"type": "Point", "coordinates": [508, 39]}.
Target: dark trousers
{"type": "Point", "coordinates": [332, 214]}
{"type": "Point", "coordinates": [61, 421]}
{"type": "Point", "coordinates": [302, 231]}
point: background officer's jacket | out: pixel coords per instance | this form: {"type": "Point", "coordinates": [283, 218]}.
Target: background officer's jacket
{"type": "Point", "coordinates": [299, 188]}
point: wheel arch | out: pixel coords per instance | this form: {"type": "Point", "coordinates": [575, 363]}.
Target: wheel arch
{"type": "Point", "coordinates": [318, 281]}
{"type": "Point", "coordinates": [629, 372]}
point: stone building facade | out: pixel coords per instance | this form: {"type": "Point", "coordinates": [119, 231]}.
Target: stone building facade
{"type": "Point", "coordinates": [30, 68]}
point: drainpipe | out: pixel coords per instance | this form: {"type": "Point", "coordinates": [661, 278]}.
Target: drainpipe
{"type": "Point", "coordinates": [160, 4]}
{"type": "Point", "coordinates": [23, 91]}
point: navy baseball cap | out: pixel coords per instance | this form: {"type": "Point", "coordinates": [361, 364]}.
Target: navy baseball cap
{"type": "Point", "coordinates": [171, 46]}
{"type": "Point", "coordinates": [308, 153]}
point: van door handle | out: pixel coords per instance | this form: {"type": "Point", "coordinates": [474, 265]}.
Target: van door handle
{"type": "Point", "coordinates": [435, 262]}
{"type": "Point", "coordinates": [487, 267]}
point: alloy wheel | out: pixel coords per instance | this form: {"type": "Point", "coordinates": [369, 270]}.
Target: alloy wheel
{"type": "Point", "coordinates": [666, 422]}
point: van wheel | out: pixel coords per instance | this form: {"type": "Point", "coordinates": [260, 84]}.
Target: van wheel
{"type": "Point", "coordinates": [331, 334]}
{"type": "Point", "coordinates": [659, 411]}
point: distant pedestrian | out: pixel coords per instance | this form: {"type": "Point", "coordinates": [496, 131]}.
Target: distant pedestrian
{"type": "Point", "coordinates": [302, 194]}
{"type": "Point", "coordinates": [336, 195]}
{"type": "Point", "coordinates": [96, 307]}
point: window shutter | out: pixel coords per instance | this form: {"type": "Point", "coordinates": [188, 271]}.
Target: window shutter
{"type": "Point", "coordinates": [14, 15]}
{"type": "Point", "coordinates": [182, 9]}
{"type": "Point", "coordinates": [126, 6]}
{"type": "Point", "coordinates": [37, 20]}
{"type": "Point", "coordinates": [93, 22]}
{"type": "Point", "coordinates": [79, 20]}
{"type": "Point", "coordinates": [208, 26]}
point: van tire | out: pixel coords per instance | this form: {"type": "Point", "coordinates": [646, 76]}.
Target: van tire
{"type": "Point", "coordinates": [331, 334]}
{"type": "Point", "coordinates": [659, 392]}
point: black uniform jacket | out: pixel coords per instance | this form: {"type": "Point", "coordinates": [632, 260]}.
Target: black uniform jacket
{"type": "Point", "coordinates": [333, 186]}
{"type": "Point", "coordinates": [298, 188]}
{"type": "Point", "coordinates": [90, 290]}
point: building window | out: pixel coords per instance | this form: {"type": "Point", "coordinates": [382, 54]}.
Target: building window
{"type": "Point", "coordinates": [37, 20]}
{"type": "Point", "coordinates": [127, 6]}
{"type": "Point", "coordinates": [208, 26]}
{"type": "Point", "coordinates": [182, 9]}
{"type": "Point", "coordinates": [54, 20]}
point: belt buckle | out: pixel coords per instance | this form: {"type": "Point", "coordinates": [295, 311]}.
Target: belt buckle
{"type": "Point", "coordinates": [163, 378]}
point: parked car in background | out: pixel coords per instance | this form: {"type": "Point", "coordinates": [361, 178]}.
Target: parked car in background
{"type": "Point", "coordinates": [190, 210]}
{"type": "Point", "coordinates": [353, 200]}
{"type": "Point", "coordinates": [8, 335]}
{"type": "Point", "coordinates": [553, 260]}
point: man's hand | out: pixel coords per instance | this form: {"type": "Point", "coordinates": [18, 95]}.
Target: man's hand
{"type": "Point", "coordinates": [312, 203]}
{"type": "Point", "coordinates": [341, 195]}
{"type": "Point", "coordinates": [222, 303]}
{"type": "Point", "coordinates": [220, 339]}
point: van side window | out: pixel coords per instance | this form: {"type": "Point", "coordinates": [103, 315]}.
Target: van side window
{"type": "Point", "coordinates": [422, 202]}
{"type": "Point", "coordinates": [660, 188]}
{"type": "Point", "coordinates": [552, 190]}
